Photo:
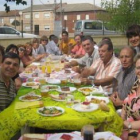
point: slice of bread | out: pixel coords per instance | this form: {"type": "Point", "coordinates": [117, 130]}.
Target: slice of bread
{"type": "Point", "coordinates": [33, 137]}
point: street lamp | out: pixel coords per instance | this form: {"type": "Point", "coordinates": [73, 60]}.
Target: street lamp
{"type": "Point", "coordinates": [20, 13]}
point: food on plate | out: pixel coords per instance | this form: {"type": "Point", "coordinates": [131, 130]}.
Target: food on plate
{"type": "Point", "coordinates": [86, 89]}
{"type": "Point", "coordinates": [61, 96]}
{"type": "Point", "coordinates": [33, 137]}
{"type": "Point", "coordinates": [103, 106]}
{"type": "Point", "coordinates": [101, 139]}
{"type": "Point", "coordinates": [30, 97]}
{"type": "Point", "coordinates": [67, 71]}
{"type": "Point", "coordinates": [66, 137]}
{"type": "Point", "coordinates": [65, 88]}
{"type": "Point", "coordinates": [85, 105]}
{"type": "Point", "coordinates": [97, 101]}
{"type": "Point", "coordinates": [35, 75]}
{"type": "Point", "coordinates": [30, 79]}
{"type": "Point", "coordinates": [50, 111]}
{"type": "Point", "coordinates": [32, 84]}
{"type": "Point", "coordinates": [52, 87]}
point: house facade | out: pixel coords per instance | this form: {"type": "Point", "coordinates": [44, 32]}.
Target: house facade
{"type": "Point", "coordinates": [44, 19]}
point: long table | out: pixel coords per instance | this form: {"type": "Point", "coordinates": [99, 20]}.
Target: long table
{"type": "Point", "coordinates": [12, 120]}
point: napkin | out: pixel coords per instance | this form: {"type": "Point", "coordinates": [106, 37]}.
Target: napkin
{"type": "Point", "coordinates": [22, 105]}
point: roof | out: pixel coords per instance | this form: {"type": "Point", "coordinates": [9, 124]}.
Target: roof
{"type": "Point", "coordinates": [9, 14]}
{"type": "Point", "coordinates": [40, 7]}
{"type": "Point", "coordinates": [79, 7]}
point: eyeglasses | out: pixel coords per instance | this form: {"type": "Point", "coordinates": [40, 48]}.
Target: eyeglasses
{"type": "Point", "coordinates": [21, 49]}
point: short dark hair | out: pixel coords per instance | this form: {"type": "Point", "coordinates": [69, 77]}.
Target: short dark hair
{"type": "Point", "coordinates": [2, 50]}
{"type": "Point", "coordinates": [65, 32]}
{"type": "Point", "coordinates": [10, 55]}
{"type": "Point", "coordinates": [133, 30]}
{"type": "Point", "coordinates": [51, 36]}
{"type": "Point", "coordinates": [88, 38]}
{"type": "Point", "coordinates": [79, 36]}
{"type": "Point", "coordinates": [10, 47]}
{"type": "Point", "coordinates": [106, 42]}
{"type": "Point", "coordinates": [106, 38]}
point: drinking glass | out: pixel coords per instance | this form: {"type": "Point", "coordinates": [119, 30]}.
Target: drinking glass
{"type": "Point", "coordinates": [69, 100]}
{"type": "Point", "coordinates": [87, 132]}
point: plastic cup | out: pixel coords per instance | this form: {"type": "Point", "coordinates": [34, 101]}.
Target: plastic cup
{"type": "Point", "coordinates": [77, 83]}
{"type": "Point", "coordinates": [44, 93]}
{"type": "Point", "coordinates": [42, 81]}
{"type": "Point", "coordinates": [49, 70]}
{"type": "Point", "coordinates": [43, 69]}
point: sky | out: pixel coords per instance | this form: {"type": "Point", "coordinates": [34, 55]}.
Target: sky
{"type": "Point", "coordinates": [13, 6]}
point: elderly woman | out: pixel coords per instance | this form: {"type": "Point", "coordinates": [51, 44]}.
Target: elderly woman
{"type": "Point", "coordinates": [131, 109]}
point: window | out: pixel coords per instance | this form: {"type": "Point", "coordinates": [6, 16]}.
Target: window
{"type": "Point", "coordinates": [1, 20]}
{"type": "Point", "coordinates": [11, 20]}
{"type": "Point", "coordinates": [93, 25]}
{"type": "Point", "coordinates": [87, 16]}
{"type": "Point", "coordinates": [10, 31]}
{"type": "Point", "coordinates": [36, 15]}
{"type": "Point", "coordinates": [47, 15]}
{"type": "Point", "coordinates": [65, 17]}
{"type": "Point", "coordinates": [78, 17]}
{"type": "Point", "coordinates": [27, 28]}
{"type": "Point", "coordinates": [47, 27]}
{"type": "Point", "coordinates": [27, 16]}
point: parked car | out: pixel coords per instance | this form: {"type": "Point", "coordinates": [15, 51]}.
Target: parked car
{"type": "Point", "coordinates": [9, 32]}
{"type": "Point", "coordinates": [93, 27]}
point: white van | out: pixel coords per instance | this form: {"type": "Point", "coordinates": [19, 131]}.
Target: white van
{"type": "Point", "coordinates": [9, 32]}
{"type": "Point", "coordinates": [93, 27]}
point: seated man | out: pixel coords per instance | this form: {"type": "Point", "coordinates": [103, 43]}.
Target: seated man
{"type": "Point", "coordinates": [66, 43]}
{"type": "Point", "coordinates": [90, 56]}
{"type": "Point", "coordinates": [105, 69]}
{"type": "Point", "coordinates": [125, 78]}
{"type": "Point", "coordinates": [9, 68]}
{"type": "Point", "coordinates": [51, 47]}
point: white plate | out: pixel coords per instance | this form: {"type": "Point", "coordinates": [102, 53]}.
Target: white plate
{"type": "Point", "coordinates": [106, 136]}
{"type": "Point", "coordinates": [83, 90]}
{"type": "Point", "coordinates": [56, 98]}
{"type": "Point", "coordinates": [36, 63]}
{"type": "Point", "coordinates": [53, 81]}
{"type": "Point", "coordinates": [47, 87]}
{"type": "Point", "coordinates": [49, 107]}
{"type": "Point", "coordinates": [34, 84]}
{"type": "Point", "coordinates": [57, 136]}
{"type": "Point", "coordinates": [26, 100]}
{"type": "Point", "coordinates": [78, 107]}
{"type": "Point", "coordinates": [106, 99]}
{"type": "Point", "coordinates": [71, 90]}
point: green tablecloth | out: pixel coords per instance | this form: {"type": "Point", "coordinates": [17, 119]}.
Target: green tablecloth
{"type": "Point", "coordinates": [12, 120]}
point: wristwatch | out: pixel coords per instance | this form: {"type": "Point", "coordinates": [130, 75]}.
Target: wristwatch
{"type": "Point", "coordinates": [129, 126]}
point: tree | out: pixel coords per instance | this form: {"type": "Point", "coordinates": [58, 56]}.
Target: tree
{"type": "Point", "coordinates": [7, 7]}
{"type": "Point", "coordinates": [122, 13]}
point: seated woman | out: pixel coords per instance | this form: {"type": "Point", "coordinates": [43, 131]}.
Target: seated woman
{"type": "Point", "coordinates": [131, 108]}
{"type": "Point", "coordinates": [27, 58]}
{"type": "Point", "coordinates": [78, 51]}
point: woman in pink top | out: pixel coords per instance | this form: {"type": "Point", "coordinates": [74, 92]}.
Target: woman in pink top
{"type": "Point", "coordinates": [78, 50]}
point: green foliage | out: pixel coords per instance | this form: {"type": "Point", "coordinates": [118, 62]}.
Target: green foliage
{"type": "Point", "coordinates": [122, 13]}
{"type": "Point", "coordinates": [7, 7]}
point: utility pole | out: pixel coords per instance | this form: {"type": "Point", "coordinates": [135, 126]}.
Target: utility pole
{"type": "Point", "coordinates": [61, 14]}
{"type": "Point", "coordinates": [31, 19]}
{"type": "Point", "coordinates": [94, 11]}
{"type": "Point", "coordinates": [15, 19]}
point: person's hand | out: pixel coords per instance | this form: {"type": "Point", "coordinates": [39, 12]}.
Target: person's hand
{"type": "Point", "coordinates": [126, 123]}
{"type": "Point", "coordinates": [115, 99]}
{"type": "Point", "coordinates": [85, 73]}
{"type": "Point", "coordinates": [76, 69]}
